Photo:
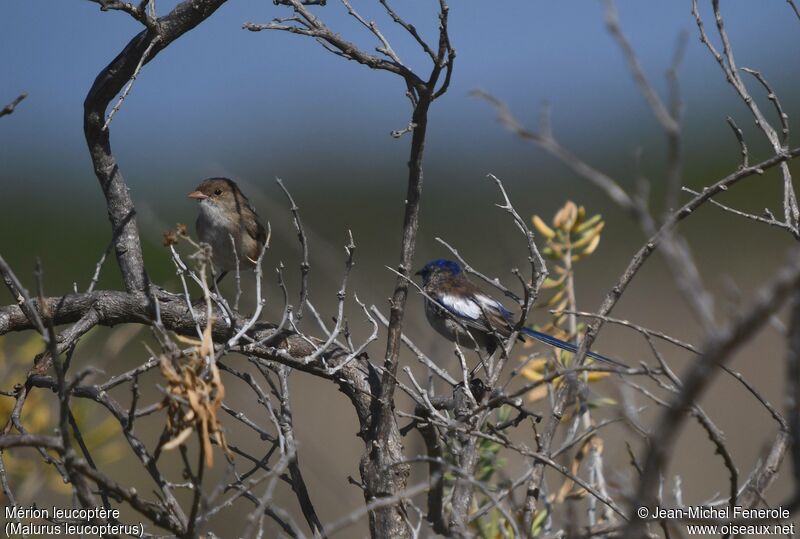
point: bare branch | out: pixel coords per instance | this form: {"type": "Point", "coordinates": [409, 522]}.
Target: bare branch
{"type": "Point", "coordinates": [305, 267]}
{"type": "Point", "coordinates": [9, 109]}
{"type": "Point", "coordinates": [545, 141]}
{"type": "Point", "coordinates": [111, 80]}
{"type": "Point", "coordinates": [794, 8]}
{"type": "Point", "coordinates": [717, 349]}
{"type": "Point", "coordinates": [782, 116]}
{"type": "Point", "coordinates": [740, 137]}
{"type": "Point", "coordinates": [128, 87]}
{"type": "Point", "coordinates": [665, 118]}
{"type": "Point", "coordinates": [727, 62]}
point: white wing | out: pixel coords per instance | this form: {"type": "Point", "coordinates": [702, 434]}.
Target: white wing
{"type": "Point", "coordinates": [460, 306]}
{"type": "Point", "coordinates": [490, 304]}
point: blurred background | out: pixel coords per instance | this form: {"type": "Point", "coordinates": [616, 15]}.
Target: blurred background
{"type": "Point", "coordinates": [255, 106]}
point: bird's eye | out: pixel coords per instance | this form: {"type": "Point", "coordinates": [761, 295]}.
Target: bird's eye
{"type": "Point", "coordinates": [218, 192]}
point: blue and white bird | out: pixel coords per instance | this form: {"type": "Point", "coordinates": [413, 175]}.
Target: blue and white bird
{"type": "Point", "coordinates": [463, 313]}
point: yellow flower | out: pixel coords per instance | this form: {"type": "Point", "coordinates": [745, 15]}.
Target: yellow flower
{"type": "Point", "coordinates": [536, 370]}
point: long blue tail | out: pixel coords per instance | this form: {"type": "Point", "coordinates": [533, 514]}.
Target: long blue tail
{"type": "Point", "coordinates": [569, 347]}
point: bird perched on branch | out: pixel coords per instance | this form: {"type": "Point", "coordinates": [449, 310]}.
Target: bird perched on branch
{"type": "Point", "coordinates": [462, 312]}
{"type": "Point", "coordinates": [227, 221]}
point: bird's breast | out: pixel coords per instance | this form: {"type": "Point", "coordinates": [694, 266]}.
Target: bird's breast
{"type": "Point", "coordinates": [215, 229]}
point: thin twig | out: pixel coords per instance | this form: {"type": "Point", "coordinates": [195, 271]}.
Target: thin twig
{"type": "Point", "coordinates": [9, 109]}
{"type": "Point", "coordinates": [127, 88]}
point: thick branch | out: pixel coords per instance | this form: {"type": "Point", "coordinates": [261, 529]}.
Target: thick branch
{"type": "Point", "coordinates": [108, 84]}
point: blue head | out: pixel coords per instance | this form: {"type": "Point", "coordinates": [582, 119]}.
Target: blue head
{"type": "Point", "coordinates": [439, 268]}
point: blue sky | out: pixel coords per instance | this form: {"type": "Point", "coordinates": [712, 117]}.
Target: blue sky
{"type": "Point", "coordinates": [222, 99]}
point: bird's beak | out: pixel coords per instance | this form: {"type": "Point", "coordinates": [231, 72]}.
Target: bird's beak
{"type": "Point", "coordinates": [197, 195]}
{"type": "Point", "coordinates": [419, 272]}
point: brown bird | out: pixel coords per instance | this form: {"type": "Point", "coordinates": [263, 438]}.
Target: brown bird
{"type": "Point", "coordinates": [226, 213]}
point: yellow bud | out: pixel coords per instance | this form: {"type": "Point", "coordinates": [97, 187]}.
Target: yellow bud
{"type": "Point", "coordinates": [597, 376]}
{"type": "Point", "coordinates": [589, 236]}
{"type": "Point", "coordinates": [587, 224]}
{"type": "Point", "coordinates": [556, 298]}
{"type": "Point", "coordinates": [592, 245]}
{"type": "Point", "coordinates": [565, 217]}
{"type": "Point", "coordinates": [543, 229]}
{"type": "Point", "coordinates": [552, 283]}
{"type": "Point", "coordinates": [581, 216]}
